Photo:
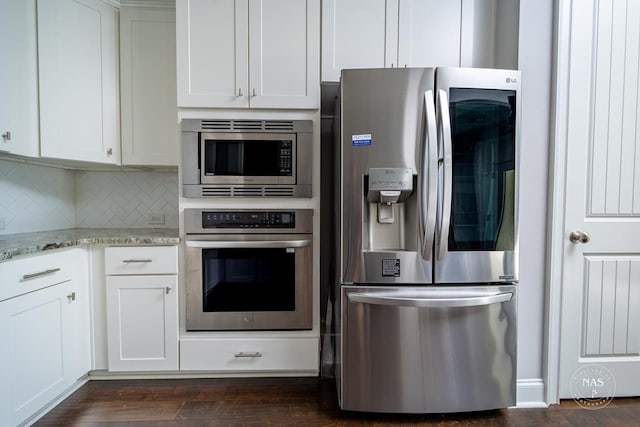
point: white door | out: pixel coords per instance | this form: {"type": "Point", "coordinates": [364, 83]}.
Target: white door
{"type": "Point", "coordinates": [19, 78]}
{"type": "Point", "coordinates": [284, 53]}
{"type": "Point", "coordinates": [78, 80]}
{"type": "Point", "coordinates": [600, 287]}
{"type": "Point", "coordinates": [142, 323]}
{"type": "Point", "coordinates": [148, 82]}
{"type": "Point", "coordinates": [429, 33]}
{"type": "Point", "coordinates": [358, 34]}
{"type": "Point", "coordinates": [212, 53]}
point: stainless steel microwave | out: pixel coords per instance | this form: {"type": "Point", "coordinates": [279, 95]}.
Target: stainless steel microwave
{"type": "Point", "coordinates": [246, 158]}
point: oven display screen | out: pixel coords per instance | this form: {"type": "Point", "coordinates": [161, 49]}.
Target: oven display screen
{"type": "Point", "coordinates": [248, 220]}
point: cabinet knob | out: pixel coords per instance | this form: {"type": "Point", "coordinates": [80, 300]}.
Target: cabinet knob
{"type": "Point", "coordinates": [72, 296]}
{"type": "Point", "coordinates": [6, 136]}
{"type": "Point", "coordinates": [109, 151]}
{"type": "Point", "coordinates": [167, 290]}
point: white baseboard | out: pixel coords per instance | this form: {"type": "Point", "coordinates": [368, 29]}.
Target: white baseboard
{"type": "Point", "coordinates": [530, 393]}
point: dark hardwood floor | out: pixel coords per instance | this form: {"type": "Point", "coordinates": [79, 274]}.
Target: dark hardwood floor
{"type": "Point", "coordinates": [284, 402]}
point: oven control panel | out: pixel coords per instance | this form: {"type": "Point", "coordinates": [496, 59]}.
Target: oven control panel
{"type": "Point", "coordinates": [248, 219]}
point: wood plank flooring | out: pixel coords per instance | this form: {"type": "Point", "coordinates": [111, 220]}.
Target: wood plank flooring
{"type": "Point", "coordinates": [284, 402]}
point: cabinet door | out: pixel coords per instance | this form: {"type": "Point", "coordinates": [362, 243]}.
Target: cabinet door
{"type": "Point", "coordinates": [429, 33]}
{"type": "Point", "coordinates": [18, 78]}
{"type": "Point", "coordinates": [148, 81]}
{"type": "Point", "coordinates": [78, 69]}
{"type": "Point", "coordinates": [142, 323]}
{"type": "Point", "coordinates": [284, 52]}
{"type": "Point", "coordinates": [358, 34]}
{"type": "Point", "coordinates": [212, 53]}
{"type": "Point", "coordinates": [36, 335]}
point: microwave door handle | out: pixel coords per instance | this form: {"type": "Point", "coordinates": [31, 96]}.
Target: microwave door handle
{"type": "Point", "coordinates": [429, 176]}
{"type": "Point", "coordinates": [266, 244]}
{"type": "Point", "coordinates": [444, 138]}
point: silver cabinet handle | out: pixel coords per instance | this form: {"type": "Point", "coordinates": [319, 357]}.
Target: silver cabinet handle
{"type": "Point", "coordinates": [248, 244]}
{"type": "Point", "coordinates": [379, 298]}
{"type": "Point", "coordinates": [445, 208]}
{"type": "Point", "coordinates": [135, 261]}
{"type": "Point", "coordinates": [72, 296]}
{"type": "Point", "coordinates": [109, 151]}
{"type": "Point", "coordinates": [240, 91]}
{"type": "Point", "coordinates": [6, 136]}
{"type": "Point", "coordinates": [167, 290]}
{"type": "Point", "coordinates": [40, 273]}
{"type": "Point", "coordinates": [429, 176]}
{"type": "Point", "coordinates": [254, 91]}
{"type": "Point", "coordinates": [250, 354]}
{"type": "Point", "coordinates": [578, 236]}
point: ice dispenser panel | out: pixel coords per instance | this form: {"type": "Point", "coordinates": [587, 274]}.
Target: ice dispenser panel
{"type": "Point", "coordinates": [388, 186]}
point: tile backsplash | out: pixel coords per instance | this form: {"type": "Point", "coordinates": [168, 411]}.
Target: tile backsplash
{"type": "Point", "coordinates": [35, 198]}
{"type": "Point", "coordinates": [38, 198]}
{"type": "Point", "coordinates": [126, 199]}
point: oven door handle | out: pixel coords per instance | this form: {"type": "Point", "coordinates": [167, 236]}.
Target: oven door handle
{"type": "Point", "coordinates": [222, 244]}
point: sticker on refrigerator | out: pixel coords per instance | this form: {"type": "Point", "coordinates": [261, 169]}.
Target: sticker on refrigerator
{"type": "Point", "coordinates": [391, 268]}
{"type": "Point", "coordinates": [362, 139]}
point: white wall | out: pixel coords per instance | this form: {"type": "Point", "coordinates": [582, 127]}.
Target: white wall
{"type": "Point", "coordinates": [534, 60]}
{"type": "Point", "coordinates": [39, 198]}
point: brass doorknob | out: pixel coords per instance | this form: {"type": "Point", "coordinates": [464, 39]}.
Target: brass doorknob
{"type": "Point", "coordinates": [578, 236]}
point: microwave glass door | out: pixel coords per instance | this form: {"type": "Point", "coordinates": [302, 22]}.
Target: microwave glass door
{"type": "Point", "coordinates": [247, 279]}
{"type": "Point", "coordinates": [247, 157]}
{"type": "Point", "coordinates": [483, 127]}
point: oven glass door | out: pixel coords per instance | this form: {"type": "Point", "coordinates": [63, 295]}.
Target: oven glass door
{"type": "Point", "coordinates": [248, 279]}
{"type": "Point", "coordinates": [249, 285]}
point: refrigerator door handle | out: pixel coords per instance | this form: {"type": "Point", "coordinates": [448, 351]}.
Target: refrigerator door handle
{"type": "Point", "coordinates": [444, 138]}
{"type": "Point", "coordinates": [388, 299]}
{"type": "Point", "coordinates": [429, 176]}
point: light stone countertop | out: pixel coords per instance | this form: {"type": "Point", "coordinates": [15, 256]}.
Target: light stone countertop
{"type": "Point", "coordinates": [12, 245]}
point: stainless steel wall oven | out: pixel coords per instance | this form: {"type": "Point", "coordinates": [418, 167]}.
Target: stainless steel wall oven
{"type": "Point", "coordinates": [248, 269]}
{"type": "Point", "coordinates": [257, 158]}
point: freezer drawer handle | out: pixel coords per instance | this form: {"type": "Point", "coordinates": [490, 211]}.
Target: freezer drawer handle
{"type": "Point", "coordinates": [251, 354]}
{"type": "Point", "coordinates": [40, 273]}
{"type": "Point", "coordinates": [467, 301]}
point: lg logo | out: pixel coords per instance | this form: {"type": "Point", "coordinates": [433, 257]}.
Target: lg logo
{"type": "Point", "coordinates": [512, 80]}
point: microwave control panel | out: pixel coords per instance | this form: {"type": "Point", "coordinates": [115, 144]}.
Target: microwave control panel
{"type": "Point", "coordinates": [245, 219]}
{"type": "Point", "coordinates": [286, 156]}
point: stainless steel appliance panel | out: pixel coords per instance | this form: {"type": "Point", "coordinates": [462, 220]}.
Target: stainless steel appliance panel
{"type": "Point", "coordinates": [382, 125]}
{"type": "Point", "coordinates": [427, 349]}
{"type": "Point", "coordinates": [479, 140]}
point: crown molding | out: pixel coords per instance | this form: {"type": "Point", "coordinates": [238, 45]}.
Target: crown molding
{"type": "Point", "coordinates": [165, 4]}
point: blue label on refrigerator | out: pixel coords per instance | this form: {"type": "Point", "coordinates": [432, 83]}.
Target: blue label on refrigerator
{"type": "Point", "coordinates": [362, 139]}
{"type": "Point", "coordinates": [391, 267]}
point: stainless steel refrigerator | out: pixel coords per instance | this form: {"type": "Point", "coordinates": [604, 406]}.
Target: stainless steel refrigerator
{"type": "Point", "coordinates": [426, 239]}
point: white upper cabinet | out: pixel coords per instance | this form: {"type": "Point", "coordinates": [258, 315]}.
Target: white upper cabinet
{"type": "Point", "coordinates": [429, 33]}
{"type": "Point", "coordinates": [248, 53]}
{"type": "Point", "coordinates": [148, 81]}
{"type": "Point", "coordinates": [18, 78]}
{"type": "Point", "coordinates": [389, 33]}
{"type": "Point", "coordinates": [358, 34]}
{"type": "Point", "coordinates": [78, 80]}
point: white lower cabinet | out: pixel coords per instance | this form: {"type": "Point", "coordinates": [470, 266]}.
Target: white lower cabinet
{"type": "Point", "coordinates": [257, 355]}
{"type": "Point", "coordinates": [44, 332]}
{"type": "Point", "coordinates": [142, 308]}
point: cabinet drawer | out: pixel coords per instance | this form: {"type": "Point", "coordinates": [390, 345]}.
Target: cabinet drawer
{"type": "Point", "coordinates": [141, 260]}
{"type": "Point", "coordinates": [250, 355]}
{"type": "Point", "coordinates": [23, 275]}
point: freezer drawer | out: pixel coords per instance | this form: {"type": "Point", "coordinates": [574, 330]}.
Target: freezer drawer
{"type": "Point", "coordinates": [428, 349]}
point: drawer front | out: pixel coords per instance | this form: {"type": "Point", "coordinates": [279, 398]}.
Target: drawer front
{"type": "Point", "coordinates": [28, 274]}
{"type": "Point", "coordinates": [250, 355]}
{"type": "Point", "coordinates": [123, 260]}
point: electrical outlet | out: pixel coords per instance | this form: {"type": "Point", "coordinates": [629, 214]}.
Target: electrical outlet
{"type": "Point", "coordinates": [2, 224]}
{"type": "Point", "coordinates": [156, 218]}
